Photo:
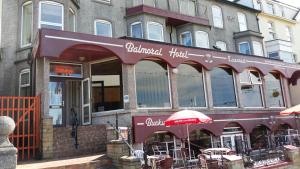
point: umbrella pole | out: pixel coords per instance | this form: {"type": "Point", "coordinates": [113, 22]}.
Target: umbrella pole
{"type": "Point", "coordinates": [189, 144]}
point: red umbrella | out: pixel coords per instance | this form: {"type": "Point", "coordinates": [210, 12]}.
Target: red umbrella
{"type": "Point", "coordinates": [187, 117]}
{"type": "Point", "coordinates": [291, 111]}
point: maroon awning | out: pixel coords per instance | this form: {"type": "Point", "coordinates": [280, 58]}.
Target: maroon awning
{"type": "Point", "coordinates": [72, 46]}
{"type": "Point", "coordinates": [145, 126]}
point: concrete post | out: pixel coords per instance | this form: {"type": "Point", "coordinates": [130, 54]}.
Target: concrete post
{"type": "Point", "coordinates": [115, 150]}
{"type": "Point", "coordinates": [8, 153]}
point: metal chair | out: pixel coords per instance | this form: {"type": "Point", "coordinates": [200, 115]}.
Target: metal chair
{"type": "Point", "coordinates": [157, 150]}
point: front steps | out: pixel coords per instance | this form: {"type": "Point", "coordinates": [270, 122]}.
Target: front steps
{"type": "Point", "coordinates": [83, 162]}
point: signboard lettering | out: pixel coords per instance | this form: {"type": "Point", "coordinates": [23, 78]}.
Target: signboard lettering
{"type": "Point", "coordinates": [152, 123]}
{"type": "Point", "coordinates": [178, 54]}
{"type": "Point", "coordinates": [131, 48]}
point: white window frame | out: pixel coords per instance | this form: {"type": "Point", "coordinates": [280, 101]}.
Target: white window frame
{"type": "Point", "coordinates": [215, 16]}
{"type": "Point", "coordinates": [198, 38]}
{"type": "Point", "coordinates": [74, 17]}
{"type": "Point", "coordinates": [188, 4]}
{"type": "Point", "coordinates": [104, 1]}
{"type": "Point", "coordinates": [162, 31]}
{"type": "Point", "coordinates": [242, 19]}
{"type": "Point", "coordinates": [50, 23]}
{"type": "Point", "coordinates": [282, 91]}
{"type": "Point", "coordinates": [224, 43]}
{"type": "Point", "coordinates": [22, 22]}
{"type": "Point", "coordinates": [24, 71]}
{"type": "Point", "coordinates": [136, 23]}
{"type": "Point", "coordinates": [102, 21]}
{"type": "Point", "coordinates": [187, 32]}
{"type": "Point", "coordinates": [288, 33]}
{"type": "Point", "coordinates": [248, 46]}
{"type": "Point", "coordinates": [271, 30]}
{"type": "Point", "coordinates": [261, 48]}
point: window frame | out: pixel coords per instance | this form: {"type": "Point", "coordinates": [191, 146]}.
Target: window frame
{"type": "Point", "coordinates": [251, 83]}
{"type": "Point", "coordinates": [186, 32]}
{"type": "Point", "coordinates": [271, 30]}
{"type": "Point", "coordinates": [244, 18]}
{"type": "Point", "coordinates": [288, 33]}
{"type": "Point", "coordinates": [24, 71]}
{"type": "Point", "coordinates": [282, 91]}
{"type": "Point", "coordinates": [162, 31]}
{"type": "Point", "coordinates": [104, 22]}
{"type": "Point", "coordinates": [74, 17]}
{"type": "Point", "coordinates": [136, 23]}
{"type": "Point", "coordinates": [196, 39]}
{"type": "Point", "coordinates": [51, 23]}
{"type": "Point", "coordinates": [219, 41]}
{"type": "Point", "coordinates": [268, 9]}
{"type": "Point", "coordinates": [204, 89]}
{"type": "Point", "coordinates": [250, 52]}
{"type": "Point", "coordinates": [235, 90]}
{"type": "Point", "coordinates": [214, 16]}
{"type": "Point", "coordinates": [22, 24]}
{"type": "Point", "coordinates": [169, 87]}
{"type": "Point", "coordinates": [261, 47]}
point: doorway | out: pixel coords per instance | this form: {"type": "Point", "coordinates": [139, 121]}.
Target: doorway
{"type": "Point", "coordinates": [231, 141]}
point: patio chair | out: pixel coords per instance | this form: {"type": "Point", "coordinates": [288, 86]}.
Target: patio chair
{"type": "Point", "coordinates": [189, 162]}
{"type": "Point", "coordinates": [157, 150]}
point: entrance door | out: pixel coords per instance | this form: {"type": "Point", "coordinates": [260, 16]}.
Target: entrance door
{"type": "Point", "coordinates": [229, 141]}
{"type": "Point", "coordinates": [86, 104]}
{"type": "Point", "coordinates": [56, 102]}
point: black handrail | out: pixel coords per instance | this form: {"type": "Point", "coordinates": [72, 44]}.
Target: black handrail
{"type": "Point", "coordinates": [75, 124]}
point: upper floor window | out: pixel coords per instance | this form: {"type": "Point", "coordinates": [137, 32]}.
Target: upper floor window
{"type": "Point", "coordinates": [223, 87]}
{"type": "Point", "coordinates": [72, 20]}
{"type": "Point", "coordinates": [270, 8]}
{"type": "Point", "coordinates": [274, 96]}
{"type": "Point", "coordinates": [288, 33]}
{"type": "Point", "coordinates": [187, 7]}
{"type": "Point", "coordinates": [155, 31]}
{"type": "Point", "coordinates": [190, 86]}
{"type": "Point", "coordinates": [24, 83]}
{"type": "Point", "coordinates": [26, 24]}
{"type": "Point", "coordinates": [186, 38]}
{"type": "Point", "coordinates": [272, 34]}
{"type": "Point", "coordinates": [136, 30]}
{"type": "Point", "coordinates": [244, 48]}
{"type": "Point", "coordinates": [280, 11]}
{"type": "Point", "coordinates": [222, 45]}
{"type": "Point", "coordinates": [103, 28]}
{"type": "Point", "coordinates": [217, 16]}
{"type": "Point", "coordinates": [242, 21]}
{"type": "Point", "coordinates": [251, 88]}
{"type": "Point", "coordinates": [202, 39]}
{"type": "Point", "coordinates": [257, 48]}
{"type": "Point", "coordinates": [152, 84]}
{"type": "Point", "coordinates": [51, 15]}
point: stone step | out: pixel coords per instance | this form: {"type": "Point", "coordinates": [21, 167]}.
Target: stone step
{"type": "Point", "coordinates": [83, 162]}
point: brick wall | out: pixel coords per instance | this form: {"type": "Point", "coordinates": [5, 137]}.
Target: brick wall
{"type": "Point", "coordinates": [91, 139]}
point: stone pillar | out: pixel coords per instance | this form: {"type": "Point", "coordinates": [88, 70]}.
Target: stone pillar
{"type": "Point", "coordinates": [234, 164]}
{"type": "Point", "coordinates": [8, 153]}
{"type": "Point", "coordinates": [130, 162]}
{"type": "Point", "coordinates": [128, 77]}
{"type": "Point", "coordinates": [173, 87]}
{"type": "Point", "coordinates": [47, 137]}
{"type": "Point", "coordinates": [293, 155]}
{"type": "Point", "coordinates": [115, 150]}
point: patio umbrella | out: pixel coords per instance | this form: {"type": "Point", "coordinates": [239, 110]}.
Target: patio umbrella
{"type": "Point", "coordinates": [187, 117]}
{"type": "Point", "coordinates": [291, 111]}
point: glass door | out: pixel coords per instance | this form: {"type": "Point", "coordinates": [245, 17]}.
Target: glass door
{"type": "Point", "coordinates": [86, 104]}
{"type": "Point", "coordinates": [56, 102]}
{"type": "Point", "coordinates": [229, 141]}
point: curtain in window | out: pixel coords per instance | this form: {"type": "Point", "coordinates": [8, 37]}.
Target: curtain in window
{"type": "Point", "coordinates": [152, 84]}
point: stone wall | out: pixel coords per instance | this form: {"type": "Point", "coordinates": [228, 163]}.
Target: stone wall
{"type": "Point", "coordinates": [91, 139]}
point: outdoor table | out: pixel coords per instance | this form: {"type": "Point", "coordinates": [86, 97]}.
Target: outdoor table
{"type": "Point", "coordinates": [152, 161]}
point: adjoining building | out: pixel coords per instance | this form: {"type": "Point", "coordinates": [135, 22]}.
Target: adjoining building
{"type": "Point", "coordinates": [143, 61]}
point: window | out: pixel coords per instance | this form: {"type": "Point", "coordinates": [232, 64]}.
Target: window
{"type": "Point", "coordinates": [152, 84]}
{"type": "Point", "coordinates": [251, 88]}
{"type": "Point", "coordinates": [190, 86]}
{"type": "Point", "coordinates": [217, 16]}
{"type": "Point", "coordinates": [103, 28]}
{"type": "Point", "coordinates": [187, 7]}
{"type": "Point", "coordinates": [222, 45]}
{"type": "Point", "coordinates": [280, 11]}
{"type": "Point", "coordinates": [136, 30]}
{"type": "Point", "coordinates": [186, 38]}
{"type": "Point", "coordinates": [155, 31]}
{"type": "Point", "coordinates": [273, 55]}
{"type": "Point", "coordinates": [24, 83]}
{"type": "Point", "coordinates": [202, 40]}
{"type": "Point", "coordinates": [223, 87]}
{"type": "Point", "coordinates": [72, 20]}
{"type": "Point", "coordinates": [242, 21]}
{"type": "Point", "coordinates": [274, 96]}
{"type": "Point", "coordinates": [287, 57]}
{"type": "Point", "coordinates": [272, 34]}
{"type": "Point", "coordinates": [270, 8]}
{"type": "Point", "coordinates": [26, 24]}
{"type": "Point", "coordinates": [257, 4]}
{"type": "Point", "coordinates": [257, 48]}
{"type": "Point", "coordinates": [104, 1]}
{"type": "Point", "coordinates": [288, 33]}
{"type": "Point", "coordinates": [51, 15]}
{"type": "Point", "coordinates": [244, 48]}
{"type": "Point", "coordinates": [107, 88]}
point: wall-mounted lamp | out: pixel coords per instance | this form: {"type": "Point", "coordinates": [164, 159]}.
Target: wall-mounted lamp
{"type": "Point", "coordinates": [175, 70]}
{"type": "Point", "coordinates": [81, 58]}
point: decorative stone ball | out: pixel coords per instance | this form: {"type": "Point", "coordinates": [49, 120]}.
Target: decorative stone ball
{"type": "Point", "coordinates": [7, 125]}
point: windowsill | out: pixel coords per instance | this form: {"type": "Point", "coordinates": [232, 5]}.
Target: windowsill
{"type": "Point", "coordinates": [20, 49]}
{"type": "Point", "coordinates": [109, 113]}
{"type": "Point", "coordinates": [102, 2]}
